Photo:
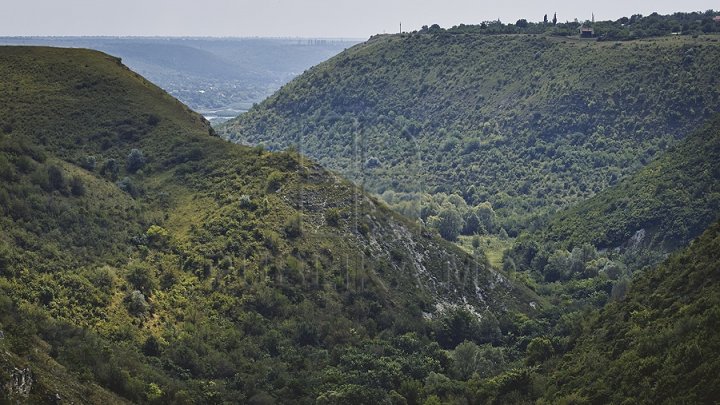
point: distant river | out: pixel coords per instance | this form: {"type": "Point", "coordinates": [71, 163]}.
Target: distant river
{"type": "Point", "coordinates": [220, 116]}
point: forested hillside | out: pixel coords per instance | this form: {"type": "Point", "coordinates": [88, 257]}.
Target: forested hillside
{"type": "Point", "coordinates": [647, 215]}
{"type": "Point", "coordinates": [144, 259]}
{"type": "Point", "coordinates": [659, 344]}
{"type": "Point", "coordinates": [671, 201]}
{"type": "Point", "coordinates": [474, 133]}
{"type": "Point", "coordinates": [522, 124]}
{"type": "Point", "coordinates": [655, 343]}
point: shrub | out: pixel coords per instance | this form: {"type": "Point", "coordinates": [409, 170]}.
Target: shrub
{"type": "Point", "coordinates": [7, 172]}
{"type": "Point", "coordinates": [40, 178]}
{"type": "Point", "coordinates": [157, 236]}
{"type": "Point", "coordinates": [476, 242]}
{"type": "Point", "coordinates": [372, 162]}
{"type": "Point", "coordinates": [455, 326]}
{"type": "Point", "coordinates": [151, 347]}
{"type": "Point", "coordinates": [127, 185]}
{"type": "Point", "coordinates": [102, 278]}
{"type": "Point", "coordinates": [332, 216]}
{"type": "Point", "coordinates": [137, 304]}
{"type": "Point", "coordinates": [293, 226]}
{"type": "Point", "coordinates": [538, 350]}
{"type": "Point", "coordinates": [56, 179]}
{"type": "Point", "coordinates": [25, 164]}
{"type": "Point", "coordinates": [135, 161]}
{"type": "Point", "coordinates": [274, 181]}
{"type": "Point", "coordinates": [4, 259]}
{"type": "Point", "coordinates": [142, 278]}
{"type": "Point", "coordinates": [246, 202]}
{"type": "Point", "coordinates": [153, 120]}
{"type": "Point", "coordinates": [88, 163]}
{"type": "Point", "coordinates": [110, 169]}
{"type": "Point", "coordinates": [77, 188]}
{"type": "Point", "coordinates": [200, 266]}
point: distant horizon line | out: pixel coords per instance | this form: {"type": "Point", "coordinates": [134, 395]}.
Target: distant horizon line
{"type": "Point", "coordinates": [177, 37]}
{"type": "Point", "coordinates": [331, 38]}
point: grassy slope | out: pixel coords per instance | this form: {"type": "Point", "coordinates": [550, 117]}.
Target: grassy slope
{"type": "Point", "coordinates": [228, 281]}
{"type": "Point", "coordinates": [658, 345]}
{"type": "Point", "coordinates": [533, 123]}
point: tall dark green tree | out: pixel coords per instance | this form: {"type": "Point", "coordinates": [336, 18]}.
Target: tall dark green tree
{"type": "Point", "coordinates": [450, 224]}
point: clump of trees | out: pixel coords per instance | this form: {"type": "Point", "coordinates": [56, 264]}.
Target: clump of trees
{"type": "Point", "coordinates": [449, 214]}
{"type": "Point", "coordinates": [623, 29]}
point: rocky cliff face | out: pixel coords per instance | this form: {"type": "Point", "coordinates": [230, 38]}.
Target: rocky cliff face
{"type": "Point", "coordinates": [20, 383]}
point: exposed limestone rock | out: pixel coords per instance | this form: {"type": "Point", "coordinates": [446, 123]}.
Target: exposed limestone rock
{"type": "Point", "coordinates": [20, 384]}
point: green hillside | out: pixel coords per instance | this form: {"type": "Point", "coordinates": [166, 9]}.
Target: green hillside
{"type": "Point", "coordinates": [673, 199]}
{"type": "Point", "coordinates": [658, 345]}
{"type": "Point", "coordinates": [655, 342]}
{"type": "Point", "coordinates": [144, 259]}
{"type": "Point", "coordinates": [645, 216]}
{"type": "Point", "coordinates": [529, 123]}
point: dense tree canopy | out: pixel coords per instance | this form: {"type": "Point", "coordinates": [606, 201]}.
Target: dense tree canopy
{"type": "Point", "coordinates": [529, 124]}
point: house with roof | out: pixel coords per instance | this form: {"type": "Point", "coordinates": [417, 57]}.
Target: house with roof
{"type": "Point", "coordinates": [587, 32]}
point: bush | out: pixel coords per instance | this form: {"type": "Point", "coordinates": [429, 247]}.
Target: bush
{"type": "Point", "coordinates": [6, 170]}
{"type": "Point", "coordinates": [137, 304]}
{"type": "Point", "coordinates": [25, 164]}
{"type": "Point", "coordinates": [4, 259]}
{"type": "Point", "coordinates": [151, 347]}
{"type": "Point", "coordinates": [110, 169]}
{"type": "Point", "coordinates": [157, 236]}
{"type": "Point", "coordinates": [372, 162]}
{"type": "Point", "coordinates": [77, 188]}
{"type": "Point", "coordinates": [476, 242]}
{"type": "Point", "coordinates": [455, 326]}
{"type": "Point", "coordinates": [56, 179]}
{"type": "Point", "coordinates": [246, 202]}
{"type": "Point", "coordinates": [88, 163]}
{"type": "Point", "coordinates": [293, 226]}
{"type": "Point", "coordinates": [135, 161]}
{"type": "Point", "coordinates": [153, 120]}
{"type": "Point", "coordinates": [538, 350]}
{"type": "Point", "coordinates": [274, 181]}
{"type": "Point", "coordinates": [332, 216]}
{"type": "Point", "coordinates": [127, 185]}
{"type": "Point", "coordinates": [142, 278]}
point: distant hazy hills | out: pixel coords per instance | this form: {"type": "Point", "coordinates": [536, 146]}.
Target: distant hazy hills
{"type": "Point", "coordinates": [219, 77]}
{"type": "Point", "coordinates": [529, 123]}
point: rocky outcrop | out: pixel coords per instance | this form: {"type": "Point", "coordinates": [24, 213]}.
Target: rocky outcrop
{"type": "Point", "coordinates": [20, 383]}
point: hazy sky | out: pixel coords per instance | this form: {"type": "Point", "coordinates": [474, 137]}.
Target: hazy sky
{"type": "Point", "coordinates": [297, 18]}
